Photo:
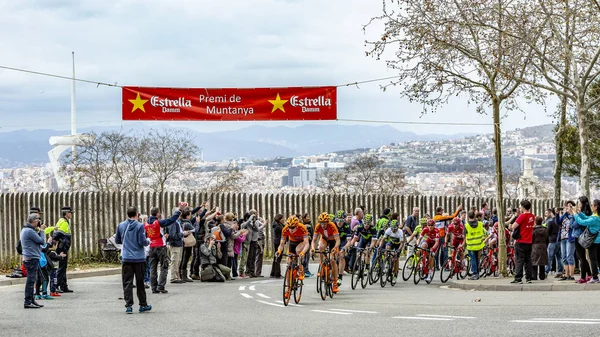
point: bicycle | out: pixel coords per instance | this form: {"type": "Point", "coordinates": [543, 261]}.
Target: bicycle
{"type": "Point", "coordinates": [422, 268]}
{"type": "Point", "coordinates": [488, 263]}
{"type": "Point", "coordinates": [325, 276]}
{"type": "Point", "coordinates": [512, 265]}
{"type": "Point", "coordinates": [376, 266]}
{"type": "Point", "coordinates": [358, 270]}
{"type": "Point", "coordinates": [291, 282]}
{"type": "Point", "coordinates": [454, 265]}
{"type": "Point", "coordinates": [387, 271]}
{"type": "Point", "coordinates": [410, 264]}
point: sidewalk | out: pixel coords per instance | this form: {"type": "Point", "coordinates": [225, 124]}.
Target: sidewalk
{"type": "Point", "coordinates": [503, 284]}
{"type": "Point", "coordinates": [5, 282]}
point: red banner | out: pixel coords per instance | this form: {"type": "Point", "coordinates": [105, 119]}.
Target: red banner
{"type": "Point", "coordinates": [199, 104]}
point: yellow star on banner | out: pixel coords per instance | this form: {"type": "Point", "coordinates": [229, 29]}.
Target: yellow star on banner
{"type": "Point", "coordinates": [278, 103]}
{"type": "Point", "coordinates": [138, 103]}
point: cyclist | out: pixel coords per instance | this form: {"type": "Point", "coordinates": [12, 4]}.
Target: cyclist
{"type": "Point", "coordinates": [365, 235]}
{"type": "Point", "coordinates": [393, 238]}
{"type": "Point", "coordinates": [430, 238]}
{"type": "Point", "coordinates": [327, 234]}
{"type": "Point", "coordinates": [298, 237]}
{"type": "Point", "coordinates": [344, 230]}
{"type": "Point", "coordinates": [456, 231]}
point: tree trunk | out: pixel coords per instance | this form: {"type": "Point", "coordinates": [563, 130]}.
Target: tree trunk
{"type": "Point", "coordinates": [499, 188]}
{"type": "Point", "coordinates": [584, 132]}
{"type": "Point", "coordinates": [559, 152]}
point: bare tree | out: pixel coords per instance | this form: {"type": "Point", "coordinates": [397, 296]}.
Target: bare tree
{"type": "Point", "coordinates": [390, 181]}
{"type": "Point", "coordinates": [226, 180]}
{"type": "Point", "coordinates": [477, 179]}
{"type": "Point", "coordinates": [446, 48]}
{"type": "Point", "coordinates": [512, 183]}
{"type": "Point", "coordinates": [362, 172]}
{"type": "Point", "coordinates": [334, 181]}
{"type": "Point", "coordinates": [170, 153]}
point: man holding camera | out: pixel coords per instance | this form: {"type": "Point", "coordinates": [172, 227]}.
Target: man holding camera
{"type": "Point", "coordinates": [253, 226]}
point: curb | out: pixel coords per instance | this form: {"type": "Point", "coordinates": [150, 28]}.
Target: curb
{"type": "Point", "coordinates": [70, 275]}
{"type": "Point", "coordinates": [523, 287]}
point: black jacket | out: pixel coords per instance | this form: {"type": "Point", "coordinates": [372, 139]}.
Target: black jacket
{"type": "Point", "coordinates": [553, 229]}
{"type": "Point", "coordinates": [277, 229]}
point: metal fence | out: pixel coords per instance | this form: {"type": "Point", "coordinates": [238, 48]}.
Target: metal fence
{"type": "Point", "coordinates": [96, 215]}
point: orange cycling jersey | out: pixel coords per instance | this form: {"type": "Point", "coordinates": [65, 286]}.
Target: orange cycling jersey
{"type": "Point", "coordinates": [298, 236]}
{"type": "Point", "coordinates": [329, 233]}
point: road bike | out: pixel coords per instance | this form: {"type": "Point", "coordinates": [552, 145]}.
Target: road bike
{"type": "Point", "coordinates": [376, 265]}
{"type": "Point", "coordinates": [422, 269]}
{"type": "Point", "coordinates": [291, 281]}
{"type": "Point", "coordinates": [454, 265]}
{"type": "Point", "coordinates": [512, 265]}
{"type": "Point", "coordinates": [358, 270]}
{"type": "Point", "coordinates": [488, 263]}
{"type": "Point", "coordinates": [325, 276]}
{"type": "Point", "coordinates": [388, 274]}
{"type": "Point", "coordinates": [411, 263]}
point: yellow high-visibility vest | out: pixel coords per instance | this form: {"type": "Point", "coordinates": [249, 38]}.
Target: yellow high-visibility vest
{"type": "Point", "coordinates": [475, 237]}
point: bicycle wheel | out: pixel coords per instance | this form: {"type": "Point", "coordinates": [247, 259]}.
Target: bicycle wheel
{"type": "Point", "coordinates": [384, 270]}
{"type": "Point", "coordinates": [418, 272]}
{"type": "Point", "coordinates": [287, 285]}
{"type": "Point", "coordinates": [374, 272]}
{"type": "Point", "coordinates": [511, 266]}
{"type": "Point", "coordinates": [330, 280]}
{"type": "Point", "coordinates": [464, 268]}
{"type": "Point", "coordinates": [323, 283]}
{"type": "Point", "coordinates": [484, 264]}
{"type": "Point", "coordinates": [355, 273]}
{"type": "Point", "coordinates": [432, 271]}
{"type": "Point", "coordinates": [408, 268]}
{"type": "Point", "coordinates": [298, 284]}
{"type": "Point", "coordinates": [364, 280]}
{"type": "Point", "coordinates": [447, 271]}
{"type": "Point", "coordinates": [319, 279]}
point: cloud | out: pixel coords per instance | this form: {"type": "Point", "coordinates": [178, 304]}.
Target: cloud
{"type": "Point", "coordinates": [196, 43]}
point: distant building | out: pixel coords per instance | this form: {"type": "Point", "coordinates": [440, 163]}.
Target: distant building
{"type": "Point", "coordinates": [51, 184]}
{"type": "Point", "coordinates": [528, 182]}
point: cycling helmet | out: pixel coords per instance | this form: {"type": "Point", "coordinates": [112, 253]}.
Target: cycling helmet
{"type": "Point", "coordinates": [423, 221]}
{"type": "Point", "coordinates": [394, 225]}
{"type": "Point", "coordinates": [331, 217]}
{"type": "Point", "coordinates": [341, 214]}
{"type": "Point", "coordinates": [456, 221]}
{"type": "Point", "coordinates": [292, 221]}
{"type": "Point", "coordinates": [430, 222]}
{"type": "Point", "coordinates": [324, 217]}
{"type": "Point", "coordinates": [368, 218]}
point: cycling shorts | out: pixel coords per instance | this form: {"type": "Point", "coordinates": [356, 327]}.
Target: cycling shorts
{"type": "Point", "coordinates": [456, 242]}
{"type": "Point", "coordinates": [430, 244]}
{"type": "Point", "coordinates": [293, 246]}
{"type": "Point", "coordinates": [394, 246]}
{"type": "Point", "coordinates": [330, 244]}
{"type": "Point", "coordinates": [363, 243]}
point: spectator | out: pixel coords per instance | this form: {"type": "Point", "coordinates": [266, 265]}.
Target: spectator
{"type": "Point", "coordinates": [554, 245]}
{"type": "Point", "coordinates": [231, 226]}
{"type": "Point", "coordinates": [189, 240]}
{"type": "Point", "coordinates": [592, 224]}
{"type": "Point", "coordinates": [158, 251]}
{"type": "Point", "coordinates": [31, 240]}
{"type": "Point", "coordinates": [261, 248]}
{"type": "Point", "coordinates": [201, 226]}
{"type": "Point", "coordinates": [174, 234]}
{"type": "Point", "coordinates": [411, 222]}
{"type": "Point", "coordinates": [584, 209]}
{"type": "Point", "coordinates": [524, 227]}
{"type": "Point", "coordinates": [441, 223]}
{"type": "Point", "coordinates": [475, 235]}
{"type": "Point", "coordinates": [62, 234]}
{"type": "Point", "coordinates": [237, 247]}
{"type": "Point", "coordinates": [539, 250]}
{"type": "Point", "coordinates": [567, 242]}
{"type": "Point", "coordinates": [211, 270]}
{"type": "Point", "coordinates": [277, 228]}
{"type": "Point", "coordinates": [132, 235]}
{"type": "Point", "coordinates": [252, 225]}
{"type": "Point", "coordinates": [245, 248]}
{"type": "Point", "coordinates": [357, 219]}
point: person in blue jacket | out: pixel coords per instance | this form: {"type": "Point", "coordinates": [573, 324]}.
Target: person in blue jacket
{"type": "Point", "coordinates": [593, 225]}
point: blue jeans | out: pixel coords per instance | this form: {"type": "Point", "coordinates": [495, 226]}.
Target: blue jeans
{"type": "Point", "coordinates": [474, 255]}
{"type": "Point", "coordinates": [147, 271]}
{"type": "Point", "coordinates": [441, 255]}
{"type": "Point", "coordinates": [32, 269]}
{"type": "Point", "coordinates": [554, 252]}
{"type": "Point", "coordinates": [568, 252]}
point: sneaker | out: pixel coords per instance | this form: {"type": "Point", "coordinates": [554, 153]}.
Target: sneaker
{"type": "Point", "coordinates": [594, 280]}
{"type": "Point", "coordinates": [517, 282]}
{"type": "Point", "coordinates": [187, 280]}
{"type": "Point", "coordinates": [163, 291]}
{"type": "Point", "coordinates": [309, 274]}
{"type": "Point", "coordinates": [38, 297]}
{"type": "Point", "coordinates": [474, 278]}
{"type": "Point", "coordinates": [560, 276]}
{"type": "Point", "coordinates": [564, 278]}
{"type": "Point", "coordinates": [30, 306]}
{"type": "Point", "coordinates": [335, 288]}
{"type": "Point", "coordinates": [581, 281]}
{"type": "Point", "coordinates": [55, 294]}
{"type": "Point", "coordinates": [145, 308]}
{"type": "Point", "coordinates": [47, 297]}
{"type": "Point", "coordinates": [589, 278]}
{"type": "Point", "coordinates": [129, 310]}
{"type": "Point", "coordinates": [147, 285]}
{"type": "Point", "coordinates": [195, 278]}
{"type": "Point", "coordinates": [339, 282]}
{"type": "Point", "coordinates": [178, 281]}
{"type": "Point", "coordinates": [67, 290]}
{"type": "Point", "coordinates": [570, 278]}
{"type": "Point", "coordinates": [529, 281]}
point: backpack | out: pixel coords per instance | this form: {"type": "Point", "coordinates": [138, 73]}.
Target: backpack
{"type": "Point", "coordinates": [19, 248]}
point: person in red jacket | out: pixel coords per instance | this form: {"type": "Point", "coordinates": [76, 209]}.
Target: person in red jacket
{"type": "Point", "coordinates": [158, 250]}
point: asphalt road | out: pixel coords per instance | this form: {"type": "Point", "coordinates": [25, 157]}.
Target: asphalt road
{"type": "Point", "coordinates": [251, 306]}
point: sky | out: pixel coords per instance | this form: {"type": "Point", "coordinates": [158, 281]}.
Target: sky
{"type": "Point", "coordinates": [204, 43]}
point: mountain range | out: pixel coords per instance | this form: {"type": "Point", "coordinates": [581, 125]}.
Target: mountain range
{"type": "Point", "coordinates": [24, 147]}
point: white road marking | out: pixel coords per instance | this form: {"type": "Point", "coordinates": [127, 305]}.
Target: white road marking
{"type": "Point", "coordinates": [263, 295]}
{"type": "Point", "coordinates": [444, 316]}
{"type": "Point", "coordinates": [425, 318]}
{"type": "Point", "coordinates": [559, 322]}
{"type": "Point", "coordinates": [566, 319]}
{"type": "Point", "coordinates": [269, 303]}
{"type": "Point", "coordinates": [253, 288]}
{"type": "Point", "coordinates": [265, 281]}
{"type": "Point", "coordinates": [246, 295]}
{"type": "Point", "coordinates": [333, 312]}
{"type": "Point", "coordinates": [357, 311]}
{"type": "Point", "coordinates": [292, 304]}
{"type": "Point", "coordinates": [242, 288]}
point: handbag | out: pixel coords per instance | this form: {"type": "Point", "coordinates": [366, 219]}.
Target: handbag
{"type": "Point", "coordinates": [586, 239]}
{"type": "Point", "coordinates": [189, 241]}
{"type": "Point", "coordinates": [516, 234]}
